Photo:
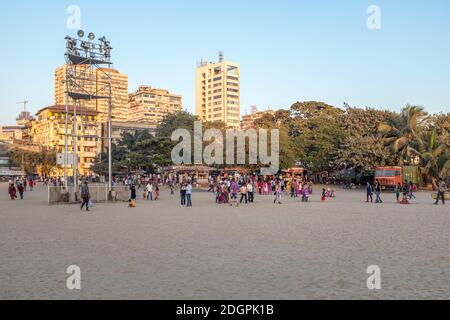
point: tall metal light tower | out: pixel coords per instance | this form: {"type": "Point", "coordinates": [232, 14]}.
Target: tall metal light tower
{"type": "Point", "coordinates": [85, 59]}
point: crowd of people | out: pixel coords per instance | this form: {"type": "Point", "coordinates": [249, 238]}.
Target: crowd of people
{"type": "Point", "coordinates": [242, 189]}
{"type": "Point", "coordinates": [227, 189]}
{"type": "Point", "coordinates": [20, 186]}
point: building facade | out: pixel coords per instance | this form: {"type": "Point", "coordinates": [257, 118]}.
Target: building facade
{"type": "Point", "coordinates": [49, 131]}
{"type": "Point", "coordinates": [10, 134]}
{"type": "Point", "coordinates": [248, 120]}
{"type": "Point", "coordinates": [151, 105]}
{"type": "Point", "coordinates": [94, 81]}
{"type": "Point", "coordinates": [218, 92]}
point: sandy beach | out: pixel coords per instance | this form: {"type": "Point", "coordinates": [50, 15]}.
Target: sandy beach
{"type": "Point", "coordinates": [161, 250]}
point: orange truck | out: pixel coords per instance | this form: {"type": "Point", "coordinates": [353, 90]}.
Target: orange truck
{"type": "Point", "coordinates": [389, 177]}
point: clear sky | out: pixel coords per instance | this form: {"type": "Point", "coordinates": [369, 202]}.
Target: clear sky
{"type": "Point", "coordinates": [288, 50]}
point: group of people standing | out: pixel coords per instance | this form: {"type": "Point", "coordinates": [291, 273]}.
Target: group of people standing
{"type": "Point", "coordinates": [407, 190]}
{"type": "Point", "coordinates": [232, 190]}
{"type": "Point", "coordinates": [228, 191]}
{"type": "Point", "coordinates": [20, 186]}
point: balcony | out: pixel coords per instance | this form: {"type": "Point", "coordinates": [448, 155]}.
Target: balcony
{"type": "Point", "coordinates": [63, 131]}
{"type": "Point", "coordinates": [63, 143]}
{"type": "Point", "coordinates": [89, 154]}
{"type": "Point", "coordinates": [90, 143]}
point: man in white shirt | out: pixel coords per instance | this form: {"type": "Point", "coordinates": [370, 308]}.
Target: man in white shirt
{"type": "Point", "coordinates": [189, 195]}
{"type": "Point", "coordinates": [250, 193]}
{"type": "Point", "coordinates": [149, 191]}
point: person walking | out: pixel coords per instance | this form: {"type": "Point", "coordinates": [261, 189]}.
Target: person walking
{"type": "Point", "coordinates": [234, 188]}
{"type": "Point", "coordinates": [412, 188]}
{"type": "Point", "coordinates": [133, 192]}
{"type": "Point", "coordinates": [85, 195]}
{"type": "Point", "coordinates": [156, 191]}
{"type": "Point", "coordinates": [243, 191]}
{"type": "Point", "coordinates": [183, 194]}
{"type": "Point", "coordinates": [378, 192]}
{"type": "Point", "coordinates": [189, 195]}
{"type": "Point", "coordinates": [441, 193]}
{"type": "Point", "coordinates": [398, 190]}
{"type": "Point", "coordinates": [12, 191]}
{"type": "Point", "coordinates": [369, 192]}
{"type": "Point", "coordinates": [21, 190]}
{"type": "Point", "coordinates": [31, 184]}
{"type": "Point", "coordinates": [250, 192]}
{"type": "Point", "coordinates": [149, 188]}
{"type": "Point", "coordinates": [278, 192]}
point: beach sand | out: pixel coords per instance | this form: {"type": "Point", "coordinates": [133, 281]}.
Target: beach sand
{"type": "Point", "coordinates": [160, 250]}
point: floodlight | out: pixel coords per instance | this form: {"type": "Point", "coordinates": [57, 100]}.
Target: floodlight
{"type": "Point", "coordinates": [85, 45]}
{"type": "Point", "coordinates": [91, 36]}
{"type": "Point", "coordinates": [80, 33]}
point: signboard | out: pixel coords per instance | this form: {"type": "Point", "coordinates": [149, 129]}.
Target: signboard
{"type": "Point", "coordinates": [10, 172]}
{"type": "Point", "coordinates": [60, 159]}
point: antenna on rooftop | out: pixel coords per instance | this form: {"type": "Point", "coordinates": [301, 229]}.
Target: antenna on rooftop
{"type": "Point", "coordinates": [24, 102]}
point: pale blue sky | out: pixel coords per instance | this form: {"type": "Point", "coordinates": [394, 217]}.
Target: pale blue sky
{"type": "Point", "coordinates": [288, 50]}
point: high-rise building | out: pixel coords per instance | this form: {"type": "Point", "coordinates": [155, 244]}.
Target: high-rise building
{"type": "Point", "coordinates": [151, 105]}
{"type": "Point", "coordinates": [218, 92]}
{"type": "Point", "coordinates": [94, 81]}
{"type": "Point", "coordinates": [49, 130]}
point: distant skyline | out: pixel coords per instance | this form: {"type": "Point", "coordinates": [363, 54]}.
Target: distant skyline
{"type": "Point", "coordinates": [288, 51]}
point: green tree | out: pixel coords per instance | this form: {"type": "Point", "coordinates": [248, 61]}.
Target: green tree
{"type": "Point", "coordinates": [435, 157]}
{"type": "Point", "coordinates": [405, 138]}
{"type": "Point", "coordinates": [362, 148]}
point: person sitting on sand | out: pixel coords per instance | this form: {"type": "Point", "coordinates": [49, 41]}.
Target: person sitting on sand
{"type": "Point", "coordinates": [405, 198]}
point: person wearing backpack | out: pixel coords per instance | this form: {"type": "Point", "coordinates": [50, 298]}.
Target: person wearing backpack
{"type": "Point", "coordinates": [85, 196]}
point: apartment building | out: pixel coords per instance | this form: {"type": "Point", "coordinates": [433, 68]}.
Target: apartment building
{"type": "Point", "coordinates": [151, 105]}
{"type": "Point", "coordinates": [49, 131]}
{"type": "Point", "coordinates": [94, 82]}
{"type": "Point", "coordinates": [218, 92]}
{"type": "Point", "coordinates": [248, 120]}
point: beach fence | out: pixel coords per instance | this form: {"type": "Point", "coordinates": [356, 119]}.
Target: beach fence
{"type": "Point", "coordinates": [98, 193]}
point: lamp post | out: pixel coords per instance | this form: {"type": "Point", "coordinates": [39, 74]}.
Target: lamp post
{"type": "Point", "coordinates": [84, 56]}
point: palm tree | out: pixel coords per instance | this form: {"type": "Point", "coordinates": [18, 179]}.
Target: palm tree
{"type": "Point", "coordinates": [435, 156]}
{"type": "Point", "coordinates": [406, 137]}
{"type": "Point", "coordinates": [131, 141]}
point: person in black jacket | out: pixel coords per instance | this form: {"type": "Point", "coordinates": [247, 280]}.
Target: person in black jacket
{"type": "Point", "coordinates": [85, 196]}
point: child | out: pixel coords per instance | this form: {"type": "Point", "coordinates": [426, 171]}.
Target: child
{"type": "Point", "coordinates": [405, 199]}
{"type": "Point", "coordinates": [305, 193]}
{"type": "Point", "coordinates": [324, 194]}
{"type": "Point", "coordinates": [131, 203]}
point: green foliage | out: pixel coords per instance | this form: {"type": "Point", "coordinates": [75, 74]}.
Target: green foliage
{"type": "Point", "coordinates": [29, 161]}
{"type": "Point", "coordinates": [318, 135]}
